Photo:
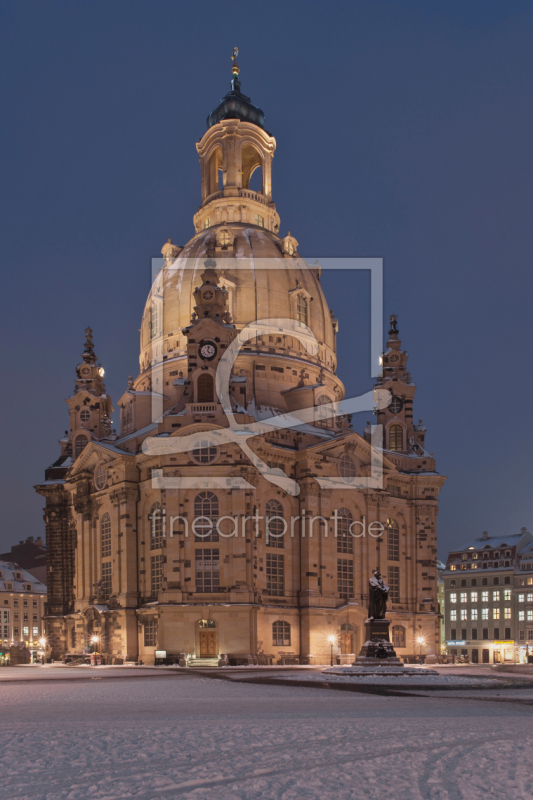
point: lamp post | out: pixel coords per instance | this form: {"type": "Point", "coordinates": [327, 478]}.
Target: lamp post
{"type": "Point", "coordinates": [94, 641]}
{"type": "Point", "coordinates": [331, 640]}
{"type": "Point", "coordinates": [420, 641]}
{"type": "Point", "coordinates": [42, 642]}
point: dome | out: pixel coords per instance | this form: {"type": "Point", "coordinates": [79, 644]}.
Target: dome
{"type": "Point", "coordinates": [236, 106]}
{"type": "Point", "coordinates": [261, 283]}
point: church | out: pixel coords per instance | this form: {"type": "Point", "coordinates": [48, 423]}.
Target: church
{"type": "Point", "coordinates": [229, 521]}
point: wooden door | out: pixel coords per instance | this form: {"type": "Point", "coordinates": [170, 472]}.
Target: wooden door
{"type": "Point", "coordinates": [208, 644]}
{"type": "Point", "coordinates": [346, 643]}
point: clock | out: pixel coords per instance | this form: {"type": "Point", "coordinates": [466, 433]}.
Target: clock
{"type": "Point", "coordinates": [394, 358]}
{"type": "Point", "coordinates": [208, 295]}
{"type": "Point", "coordinates": [208, 350]}
{"type": "Point", "coordinates": [395, 405]}
{"type": "Point", "coordinates": [85, 370]}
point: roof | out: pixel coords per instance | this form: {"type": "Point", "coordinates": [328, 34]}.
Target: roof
{"type": "Point", "coordinates": [8, 568]}
{"type": "Point", "coordinates": [236, 105]}
{"type": "Point", "coordinates": [492, 542]}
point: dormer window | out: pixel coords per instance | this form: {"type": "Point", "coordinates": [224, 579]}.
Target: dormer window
{"type": "Point", "coordinates": [301, 309]}
{"type": "Point", "coordinates": [207, 223]}
{"type": "Point", "coordinates": [259, 221]}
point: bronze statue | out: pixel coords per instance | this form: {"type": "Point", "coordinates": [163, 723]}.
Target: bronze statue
{"type": "Point", "coordinates": [378, 593]}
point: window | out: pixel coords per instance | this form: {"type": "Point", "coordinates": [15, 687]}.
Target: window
{"type": "Point", "coordinates": [105, 536]}
{"type": "Point", "coordinates": [347, 468]}
{"type": "Point", "coordinates": [452, 584]}
{"type": "Point", "coordinates": [496, 633]}
{"type": "Point", "coordinates": [464, 597]}
{"type": "Point", "coordinates": [301, 309]}
{"type": "Point", "coordinates": [206, 517]}
{"type": "Point", "coordinates": [530, 598]}
{"type": "Point", "coordinates": [275, 574]}
{"type": "Point", "coordinates": [507, 594]}
{"type": "Point", "coordinates": [155, 518]}
{"type": "Point", "coordinates": [393, 540]}
{"type": "Point", "coordinates": [521, 598]}
{"type": "Point", "coordinates": [321, 415]}
{"type": "Point", "coordinates": [150, 632]}
{"type": "Point", "coordinates": [127, 418]}
{"type": "Point", "coordinates": [34, 603]}
{"type": "Point", "coordinates": [464, 556]}
{"type": "Point", "coordinates": [522, 635]}
{"type": "Point", "coordinates": [205, 388]}
{"type": "Point", "coordinates": [507, 613]}
{"type": "Point", "coordinates": [464, 613]}
{"type": "Point", "coordinates": [474, 633]}
{"type": "Point", "coordinates": [259, 221]}
{"type": "Point", "coordinates": [529, 614]}
{"type": "Point", "coordinates": [484, 613]}
{"type": "Point", "coordinates": [224, 238]}
{"type": "Point", "coordinates": [35, 632]}
{"type": "Point", "coordinates": [205, 452]}
{"type": "Point", "coordinates": [473, 597]}
{"type": "Point", "coordinates": [26, 632]}
{"type": "Point", "coordinates": [85, 415]}
{"type": "Point", "coordinates": [156, 574]}
{"type": "Point", "coordinates": [473, 613]}
{"type": "Point", "coordinates": [106, 577]}
{"type": "Point", "coordinates": [521, 616]}
{"type": "Point", "coordinates": [100, 477]}
{"type": "Point", "coordinates": [275, 524]}
{"type": "Point", "coordinates": [345, 577]}
{"type": "Point", "coordinates": [395, 437]}
{"type": "Point", "coordinates": [453, 615]}
{"type": "Point", "coordinates": [207, 567]}
{"type": "Point", "coordinates": [393, 574]}
{"type": "Point", "coordinates": [398, 636]}
{"type": "Point", "coordinates": [495, 613]}
{"type": "Point", "coordinates": [496, 596]}
{"type": "Point", "coordinates": [155, 318]}
{"type": "Point", "coordinates": [453, 597]}
{"type": "Point", "coordinates": [344, 537]}
{"type": "Point", "coordinates": [207, 222]}
{"type": "Point", "coordinates": [453, 633]}
{"type": "Point", "coordinates": [79, 444]}
{"type": "Point", "coordinates": [281, 634]}
{"type": "Point", "coordinates": [530, 635]}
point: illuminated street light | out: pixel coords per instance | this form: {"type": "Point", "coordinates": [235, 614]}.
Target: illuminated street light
{"type": "Point", "coordinates": [331, 640]}
{"type": "Point", "coordinates": [42, 642]}
{"type": "Point", "coordinates": [421, 641]}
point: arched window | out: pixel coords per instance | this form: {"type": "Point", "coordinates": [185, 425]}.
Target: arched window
{"type": "Point", "coordinates": [155, 518]}
{"type": "Point", "coordinates": [275, 524]}
{"type": "Point", "coordinates": [281, 634]}
{"type": "Point", "coordinates": [215, 171]}
{"type": "Point", "coordinates": [320, 416]}
{"type": "Point", "coordinates": [301, 309]}
{"type": "Point", "coordinates": [251, 161]}
{"type": "Point", "coordinates": [205, 388]}
{"type": "Point", "coordinates": [155, 317]}
{"type": "Point", "coordinates": [344, 537]}
{"type": "Point", "coordinates": [105, 536]}
{"type": "Point", "coordinates": [205, 451]}
{"type": "Point", "coordinates": [395, 437]}
{"type": "Point", "coordinates": [398, 636]}
{"type": "Point", "coordinates": [79, 444]}
{"type": "Point", "coordinates": [393, 540]}
{"type": "Point", "coordinates": [206, 517]}
{"type": "Point", "coordinates": [127, 418]}
{"type": "Point", "coordinates": [347, 468]}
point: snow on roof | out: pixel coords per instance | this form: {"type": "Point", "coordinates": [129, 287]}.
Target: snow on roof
{"type": "Point", "coordinates": [8, 570]}
{"type": "Point", "coordinates": [140, 432]}
{"type": "Point", "coordinates": [492, 542]}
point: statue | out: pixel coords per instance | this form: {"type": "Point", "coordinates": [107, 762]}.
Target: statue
{"type": "Point", "coordinates": [379, 592]}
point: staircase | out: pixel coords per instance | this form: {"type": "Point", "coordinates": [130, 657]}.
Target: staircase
{"type": "Point", "coordinates": [203, 663]}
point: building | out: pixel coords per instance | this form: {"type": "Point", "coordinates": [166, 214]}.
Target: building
{"type": "Point", "coordinates": [138, 530]}
{"type": "Point", "coordinates": [30, 555]}
{"type": "Point", "coordinates": [483, 601]}
{"type": "Point", "coordinates": [22, 599]}
{"type": "Point", "coordinates": [523, 582]}
{"type": "Point", "coordinates": [441, 602]}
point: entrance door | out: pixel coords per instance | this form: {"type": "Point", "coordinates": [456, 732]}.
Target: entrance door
{"type": "Point", "coordinates": [346, 643]}
{"type": "Point", "coordinates": [208, 644]}
{"type": "Point", "coordinates": [486, 654]}
{"type": "Point", "coordinates": [475, 656]}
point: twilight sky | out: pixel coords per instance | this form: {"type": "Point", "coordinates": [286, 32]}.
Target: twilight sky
{"type": "Point", "coordinates": [404, 131]}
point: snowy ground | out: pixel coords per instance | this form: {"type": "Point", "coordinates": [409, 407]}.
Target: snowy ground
{"type": "Point", "coordinates": [145, 734]}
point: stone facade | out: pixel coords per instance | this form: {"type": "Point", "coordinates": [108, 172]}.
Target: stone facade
{"type": "Point", "coordinates": [127, 561]}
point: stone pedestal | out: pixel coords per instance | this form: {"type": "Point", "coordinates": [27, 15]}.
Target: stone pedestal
{"type": "Point", "coordinates": [377, 649]}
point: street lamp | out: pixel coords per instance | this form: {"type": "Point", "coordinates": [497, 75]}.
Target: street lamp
{"type": "Point", "coordinates": [94, 641]}
{"type": "Point", "coordinates": [331, 640]}
{"type": "Point", "coordinates": [420, 641]}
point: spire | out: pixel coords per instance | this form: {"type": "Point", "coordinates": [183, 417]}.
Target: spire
{"type": "Point", "coordinates": [90, 373]}
{"type": "Point", "coordinates": [235, 82]}
{"type": "Point", "coordinates": [393, 325]}
{"type": "Point", "coordinates": [88, 353]}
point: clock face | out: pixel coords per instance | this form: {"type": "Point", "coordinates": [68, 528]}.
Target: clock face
{"type": "Point", "coordinates": [208, 350]}
{"type": "Point", "coordinates": [208, 294]}
{"type": "Point", "coordinates": [85, 371]}
{"type": "Point", "coordinates": [395, 405]}
{"type": "Point", "coordinates": [394, 358]}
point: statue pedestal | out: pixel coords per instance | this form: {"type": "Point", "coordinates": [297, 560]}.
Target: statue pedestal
{"type": "Point", "coordinates": [377, 649]}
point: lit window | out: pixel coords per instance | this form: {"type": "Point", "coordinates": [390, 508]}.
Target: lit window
{"type": "Point", "coordinates": [473, 597]}
{"type": "Point", "coordinates": [453, 614]}
{"type": "Point", "coordinates": [453, 598]}
{"type": "Point", "coordinates": [473, 613]}
{"type": "Point", "coordinates": [464, 597]}
{"type": "Point", "coordinates": [530, 598]}
{"type": "Point", "coordinates": [529, 614]}
{"type": "Point", "coordinates": [507, 594]}
{"type": "Point", "coordinates": [521, 598]}
{"type": "Point", "coordinates": [259, 221]}
{"type": "Point", "coordinates": [207, 222]}
{"type": "Point", "coordinates": [224, 238]}
{"type": "Point", "coordinates": [521, 616]}
{"type": "Point", "coordinates": [484, 613]}
{"type": "Point", "coordinates": [474, 556]}
{"type": "Point", "coordinates": [485, 597]}
{"type": "Point", "coordinates": [395, 437]}
{"type": "Point", "coordinates": [281, 634]}
{"type": "Point", "coordinates": [464, 613]}
{"type": "Point", "coordinates": [495, 613]}
{"type": "Point", "coordinates": [464, 556]}
{"type": "Point", "coordinates": [507, 613]}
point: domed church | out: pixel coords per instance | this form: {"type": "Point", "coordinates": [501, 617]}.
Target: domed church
{"type": "Point", "coordinates": [229, 522]}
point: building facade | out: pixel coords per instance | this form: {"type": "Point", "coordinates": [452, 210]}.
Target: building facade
{"type": "Point", "coordinates": [139, 526]}
{"type": "Point", "coordinates": [487, 604]}
{"type": "Point", "coordinates": [30, 554]}
{"type": "Point", "coordinates": [22, 600]}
